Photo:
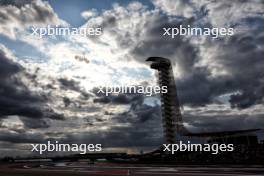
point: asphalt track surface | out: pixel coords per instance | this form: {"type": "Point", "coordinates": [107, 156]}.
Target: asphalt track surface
{"type": "Point", "coordinates": [112, 169]}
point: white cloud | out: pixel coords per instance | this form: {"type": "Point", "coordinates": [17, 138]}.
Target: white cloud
{"type": "Point", "coordinates": [14, 18]}
{"type": "Point", "coordinates": [89, 13]}
{"type": "Point", "coordinates": [185, 8]}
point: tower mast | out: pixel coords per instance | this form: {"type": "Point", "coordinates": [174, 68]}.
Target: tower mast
{"type": "Point", "coordinates": [170, 107]}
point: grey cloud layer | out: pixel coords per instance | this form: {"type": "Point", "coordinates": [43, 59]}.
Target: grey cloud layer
{"type": "Point", "coordinates": [17, 99]}
{"type": "Point", "coordinates": [240, 55]}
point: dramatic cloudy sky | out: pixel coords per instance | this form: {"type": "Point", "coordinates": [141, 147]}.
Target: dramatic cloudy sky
{"type": "Point", "coordinates": [46, 94]}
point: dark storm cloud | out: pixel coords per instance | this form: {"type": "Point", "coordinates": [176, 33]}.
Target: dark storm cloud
{"type": "Point", "coordinates": [151, 42]}
{"type": "Point", "coordinates": [70, 84]}
{"type": "Point", "coordinates": [140, 115]}
{"type": "Point", "coordinates": [14, 97]}
{"type": "Point", "coordinates": [119, 99]}
{"type": "Point", "coordinates": [243, 58]}
{"type": "Point", "coordinates": [103, 100]}
{"type": "Point", "coordinates": [180, 50]}
{"type": "Point", "coordinates": [241, 54]}
{"type": "Point", "coordinates": [118, 137]}
{"type": "Point", "coordinates": [17, 99]}
{"type": "Point", "coordinates": [34, 123]}
{"type": "Point", "coordinates": [147, 112]}
{"type": "Point", "coordinates": [144, 123]}
{"type": "Point", "coordinates": [66, 101]}
{"type": "Point", "coordinates": [7, 67]}
{"type": "Point", "coordinates": [183, 53]}
{"type": "Point", "coordinates": [21, 137]}
{"type": "Point", "coordinates": [17, 3]}
{"type": "Point", "coordinates": [115, 99]}
{"type": "Point", "coordinates": [218, 122]}
{"type": "Point", "coordinates": [138, 112]}
{"type": "Point", "coordinates": [144, 129]}
{"type": "Point", "coordinates": [197, 87]}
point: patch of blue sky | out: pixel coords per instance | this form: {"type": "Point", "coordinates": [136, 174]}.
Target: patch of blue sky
{"type": "Point", "coordinates": [98, 62]}
{"type": "Point", "coordinates": [82, 47]}
{"type": "Point", "coordinates": [116, 78]}
{"type": "Point", "coordinates": [70, 10]}
{"type": "Point", "coordinates": [23, 50]}
{"type": "Point", "coordinates": [67, 65]}
{"type": "Point", "coordinates": [136, 72]}
{"type": "Point", "coordinates": [152, 101]}
{"type": "Point", "coordinates": [254, 21]}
